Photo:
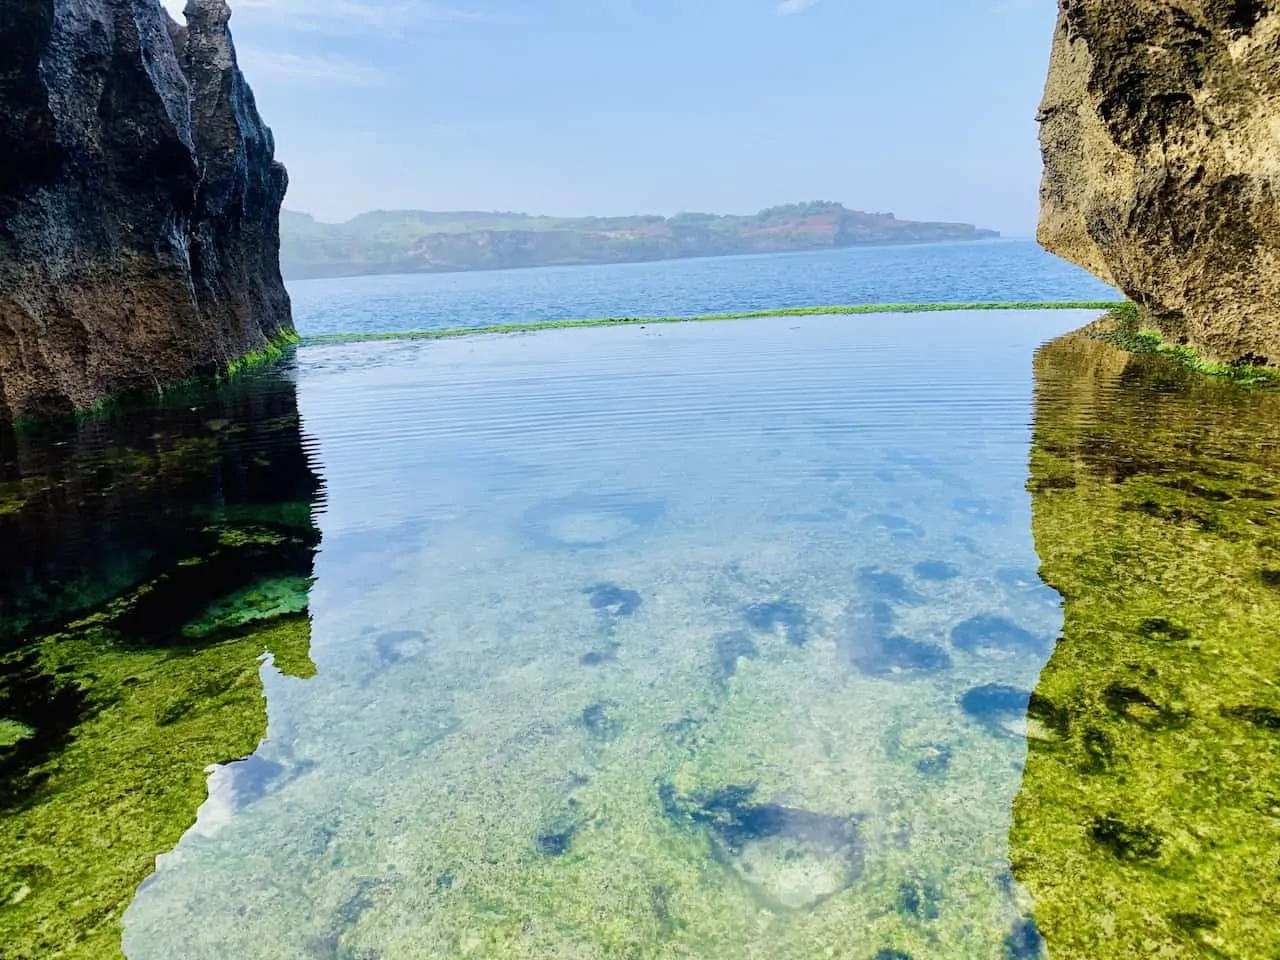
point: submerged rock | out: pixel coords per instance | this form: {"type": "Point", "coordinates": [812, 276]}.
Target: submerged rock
{"type": "Point", "coordinates": [613, 600]}
{"type": "Point", "coordinates": [870, 645]}
{"type": "Point", "coordinates": [792, 858]}
{"type": "Point", "coordinates": [139, 202]}
{"type": "Point", "coordinates": [765, 617]}
{"type": "Point", "coordinates": [1158, 131]}
{"type": "Point", "coordinates": [729, 649]}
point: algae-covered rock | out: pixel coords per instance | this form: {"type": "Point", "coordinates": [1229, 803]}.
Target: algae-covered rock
{"type": "Point", "coordinates": [1146, 825]}
{"type": "Point", "coordinates": [156, 559]}
{"type": "Point", "coordinates": [1160, 161]}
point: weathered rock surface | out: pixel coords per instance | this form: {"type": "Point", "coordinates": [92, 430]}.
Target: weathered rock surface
{"type": "Point", "coordinates": [1160, 131]}
{"type": "Point", "coordinates": [139, 201]}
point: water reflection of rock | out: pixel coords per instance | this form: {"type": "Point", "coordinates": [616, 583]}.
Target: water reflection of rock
{"type": "Point", "coordinates": [149, 561]}
{"type": "Point", "coordinates": [1146, 822]}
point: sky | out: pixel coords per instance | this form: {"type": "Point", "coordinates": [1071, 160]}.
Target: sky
{"type": "Point", "coordinates": [925, 109]}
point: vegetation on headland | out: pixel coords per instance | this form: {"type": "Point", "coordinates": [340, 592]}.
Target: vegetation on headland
{"type": "Point", "coordinates": [744, 315]}
{"type": "Point", "coordinates": [417, 241]}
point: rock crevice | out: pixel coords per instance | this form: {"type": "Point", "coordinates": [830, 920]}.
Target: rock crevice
{"type": "Point", "coordinates": [1160, 132]}
{"type": "Point", "coordinates": [139, 202]}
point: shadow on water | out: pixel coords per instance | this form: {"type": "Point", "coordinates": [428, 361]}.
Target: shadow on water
{"type": "Point", "coordinates": [1146, 824]}
{"type": "Point", "coordinates": [149, 562]}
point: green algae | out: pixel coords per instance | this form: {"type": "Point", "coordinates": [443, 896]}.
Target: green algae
{"type": "Point", "coordinates": [127, 784]}
{"type": "Point", "coordinates": [839, 310]}
{"type": "Point", "coordinates": [157, 559]}
{"type": "Point", "coordinates": [11, 731]}
{"type": "Point", "coordinates": [180, 391]}
{"type": "Point", "coordinates": [1146, 824]}
{"type": "Point", "coordinates": [275, 350]}
{"type": "Point", "coordinates": [1122, 328]}
{"type": "Point", "coordinates": [265, 600]}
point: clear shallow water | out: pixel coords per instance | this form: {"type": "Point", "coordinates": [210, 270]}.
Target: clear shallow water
{"type": "Point", "coordinates": [659, 650]}
{"type": "Point", "coordinates": [711, 641]}
{"type": "Point", "coordinates": [1001, 270]}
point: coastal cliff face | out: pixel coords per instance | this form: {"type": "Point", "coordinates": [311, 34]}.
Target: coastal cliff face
{"type": "Point", "coordinates": [139, 202]}
{"type": "Point", "coordinates": [1160, 131]}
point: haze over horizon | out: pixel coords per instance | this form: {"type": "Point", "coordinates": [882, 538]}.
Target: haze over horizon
{"type": "Point", "coordinates": [621, 107]}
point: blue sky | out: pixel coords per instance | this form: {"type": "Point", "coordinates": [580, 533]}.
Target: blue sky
{"type": "Point", "coordinates": [922, 108]}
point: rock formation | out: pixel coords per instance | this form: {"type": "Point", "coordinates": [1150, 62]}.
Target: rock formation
{"type": "Point", "coordinates": [139, 202]}
{"type": "Point", "coordinates": [1160, 130]}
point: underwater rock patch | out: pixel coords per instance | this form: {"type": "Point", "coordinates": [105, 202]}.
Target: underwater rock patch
{"type": "Point", "coordinates": [991, 632]}
{"type": "Point", "coordinates": [884, 585]}
{"type": "Point", "coordinates": [589, 520]}
{"type": "Point", "coordinates": [558, 837]}
{"type": "Point", "coordinates": [1131, 703]}
{"type": "Point", "coordinates": [936, 570]}
{"type": "Point", "coordinates": [1268, 718]}
{"type": "Point", "coordinates": [934, 759]}
{"type": "Point", "coordinates": [397, 645]}
{"type": "Point", "coordinates": [729, 649]}
{"type": "Point", "coordinates": [791, 858]}
{"type": "Point", "coordinates": [920, 899]}
{"type": "Point", "coordinates": [1024, 941]}
{"type": "Point", "coordinates": [596, 658]}
{"type": "Point", "coordinates": [765, 617]}
{"type": "Point", "coordinates": [597, 721]}
{"type": "Point", "coordinates": [1162, 631]}
{"type": "Point", "coordinates": [1125, 841]}
{"type": "Point", "coordinates": [998, 707]}
{"type": "Point", "coordinates": [869, 644]}
{"type": "Point", "coordinates": [611, 599]}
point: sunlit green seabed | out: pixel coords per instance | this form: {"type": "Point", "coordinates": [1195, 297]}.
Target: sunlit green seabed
{"type": "Point", "coordinates": [1148, 824]}
{"type": "Point", "coordinates": [721, 642]}
{"type": "Point", "coordinates": [161, 561]}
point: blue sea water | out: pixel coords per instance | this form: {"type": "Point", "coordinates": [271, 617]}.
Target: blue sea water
{"type": "Point", "coordinates": [997, 270]}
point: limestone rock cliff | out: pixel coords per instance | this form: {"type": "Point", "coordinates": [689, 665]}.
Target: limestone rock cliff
{"type": "Point", "coordinates": [139, 201]}
{"type": "Point", "coordinates": [1160, 131]}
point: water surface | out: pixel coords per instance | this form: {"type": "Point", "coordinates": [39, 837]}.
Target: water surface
{"type": "Point", "coordinates": [987, 271]}
{"type": "Point", "coordinates": [687, 642]}
{"type": "Point", "coordinates": [722, 640]}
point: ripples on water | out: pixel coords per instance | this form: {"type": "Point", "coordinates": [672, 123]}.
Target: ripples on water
{"type": "Point", "coordinates": [712, 641]}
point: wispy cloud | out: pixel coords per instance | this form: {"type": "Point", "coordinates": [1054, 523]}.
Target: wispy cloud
{"type": "Point", "coordinates": [311, 69]}
{"type": "Point", "coordinates": [788, 8]}
{"type": "Point", "coordinates": [368, 15]}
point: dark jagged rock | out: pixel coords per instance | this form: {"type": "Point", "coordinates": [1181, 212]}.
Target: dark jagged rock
{"type": "Point", "coordinates": [1158, 130]}
{"type": "Point", "coordinates": [139, 202]}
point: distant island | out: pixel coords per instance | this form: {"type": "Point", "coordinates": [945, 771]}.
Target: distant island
{"type": "Point", "coordinates": [416, 241]}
